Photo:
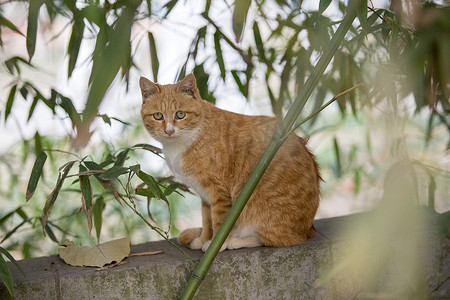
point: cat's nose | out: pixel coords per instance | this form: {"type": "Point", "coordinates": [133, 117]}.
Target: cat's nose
{"type": "Point", "coordinates": [169, 131]}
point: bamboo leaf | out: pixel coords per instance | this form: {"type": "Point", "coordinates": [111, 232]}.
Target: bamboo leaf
{"type": "Point", "coordinates": [148, 147]}
{"type": "Point", "coordinates": [169, 5]}
{"type": "Point", "coordinates": [149, 213]}
{"type": "Point", "coordinates": [259, 42]}
{"type": "Point", "coordinates": [357, 181]}
{"type": "Point", "coordinates": [35, 174]}
{"type": "Point", "coordinates": [105, 183]}
{"type": "Point", "coordinates": [13, 64]}
{"type": "Point", "coordinates": [110, 159]}
{"type": "Point", "coordinates": [85, 187]}
{"type": "Point", "coordinates": [24, 92]}
{"type": "Point", "coordinates": [18, 211]}
{"type": "Point", "coordinates": [22, 214]}
{"type": "Point", "coordinates": [318, 101]}
{"type": "Point", "coordinates": [5, 22]}
{"type": "Point", "coordinates": [238, 82]}
{"type": "Point", "coordinates": [431, 190]}
{"type": "Point", "coordinates": [114, 172]}
{"type": "Point", "coordinates": [152, 184]}
{"type": "Point", "coordinates": [285, 74]}
{"type": "Point", "coordinates": [323, 5]}
{"type": "Point", "coordinates": [276, 108]}
{"type": "Point", "coordinates": [99, 205]}
{"type": "Point", "coordinates": [135, 168]}
{"type": "Point", "coordinates": [219, 55]}
{"type": "Point", "coordinates": [145, 192]}
{"type": "Point", "coordinates": [12, 231]}
{"type": "Point", "coordinates": [337, 167]}
{"type": "Point", "coordinates": [6, 276]}
{"type": "Point", "coordinates": [149, 7]}
{"type": "Point", "coordinates": [32, 107]}
{"type": "Point", "coordinates": [12, 260]}
{"type": "Point", "coordinates": [202, 83]}
{"type": "Point", "coordinates": [170, 189]}
{"type": "Point", "coordinates": [121, 157]}
{"type": "Point", "coordinates": [241, 8]}
{"type": "Point", "coordinates": [50, 233]}
{"type": "Point", "coordinates": [120, 121]}
{"type": "Point", "coordinates": [153, 56]}
{"type": "Point", "coordinates": [106, 119]}
{"type": "Point", "coordinates": [86, 196]}
{"type": "Point", "coordinates": [33, 16]}
{"type": "Point", "coordinates": [106, 64]}
{"type": "Point", "coordinates": [70, 109]}
{"type": "Point", "coordinates": [6, 217]}
{"type": "Point", "coordinates": [93, 166]}
{"type": "Point", "coordinates": [37, 143]}
{"type": "Point", "coordinates": [10, 101]}
{"type": "Point", "coordinates": [362, 15]}
{"type": "Point", "coordinates": [75, 40]}
{"type": "Point", "coordinates": [54, 194]}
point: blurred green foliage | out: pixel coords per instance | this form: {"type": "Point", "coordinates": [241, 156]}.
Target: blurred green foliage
{"type": "Point", "coordinates": [398, 54]}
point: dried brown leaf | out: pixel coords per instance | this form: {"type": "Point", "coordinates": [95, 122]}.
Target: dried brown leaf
{"type": "Point", "coordinates": [96, 256]}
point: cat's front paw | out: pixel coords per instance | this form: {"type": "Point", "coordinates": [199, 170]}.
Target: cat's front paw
{"type": "Point", "coordinates": [207, 243]}
{"type": "Point", "coordinates": [196, 244]}
{"type": "Point", "coordinates": [189, 235]}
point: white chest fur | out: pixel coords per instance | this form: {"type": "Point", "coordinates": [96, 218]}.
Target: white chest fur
{"type": "Point", "coordinates": [174, 152]}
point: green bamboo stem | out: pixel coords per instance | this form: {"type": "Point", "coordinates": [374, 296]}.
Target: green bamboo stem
{"type": "Point", "coordinates": [279, 137]}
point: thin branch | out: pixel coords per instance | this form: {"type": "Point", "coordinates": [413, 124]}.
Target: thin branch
{"type": "Point", "coordinates": [61, 151]}
{"type": "Point", "coordinates": [312, 115]}
{"type": "Point", "coordinates": [88, 173]}
{"type": "Point", "coordinates": [159, 231]}
{"type": "Point", "coordinates": [245, 56]}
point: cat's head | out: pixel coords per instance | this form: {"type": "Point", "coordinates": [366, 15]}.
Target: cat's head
{"type": "Point", "coordinates": [171, 111]}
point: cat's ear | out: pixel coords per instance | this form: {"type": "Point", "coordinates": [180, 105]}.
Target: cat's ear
{"type": "Point", "coordinates": [148, 88]}
{"type": "Point", "coordinates": [189, 86]}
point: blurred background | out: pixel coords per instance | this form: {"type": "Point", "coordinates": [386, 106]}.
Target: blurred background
{"type": "Point", "coordinates": [69, 81]}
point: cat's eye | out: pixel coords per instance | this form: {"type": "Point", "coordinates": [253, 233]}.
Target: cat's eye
{"type": "Point", "coordinates": [180, 115]}
{"type": "Point", "coordinates": [158, 116]}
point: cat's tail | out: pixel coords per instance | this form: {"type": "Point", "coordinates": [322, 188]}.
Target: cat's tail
{"type": "Point", "coordinates": [311, 232]}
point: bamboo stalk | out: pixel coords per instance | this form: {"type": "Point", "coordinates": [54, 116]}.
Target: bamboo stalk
{"type": "Point", "coordinates": [279, 137]}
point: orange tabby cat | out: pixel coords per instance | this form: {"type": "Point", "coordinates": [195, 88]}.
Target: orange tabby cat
{"type": "Point", "coordinates": [213, 151]}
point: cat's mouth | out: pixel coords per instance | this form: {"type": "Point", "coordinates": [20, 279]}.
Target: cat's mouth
{"type": "Point", "coordinates": [168, 136]}
{"type": "Point", "coordinates": [169, 132]}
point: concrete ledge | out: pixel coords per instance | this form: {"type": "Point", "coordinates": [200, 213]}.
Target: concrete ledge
{"type": "Point", "coordinates": [257, 273]}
